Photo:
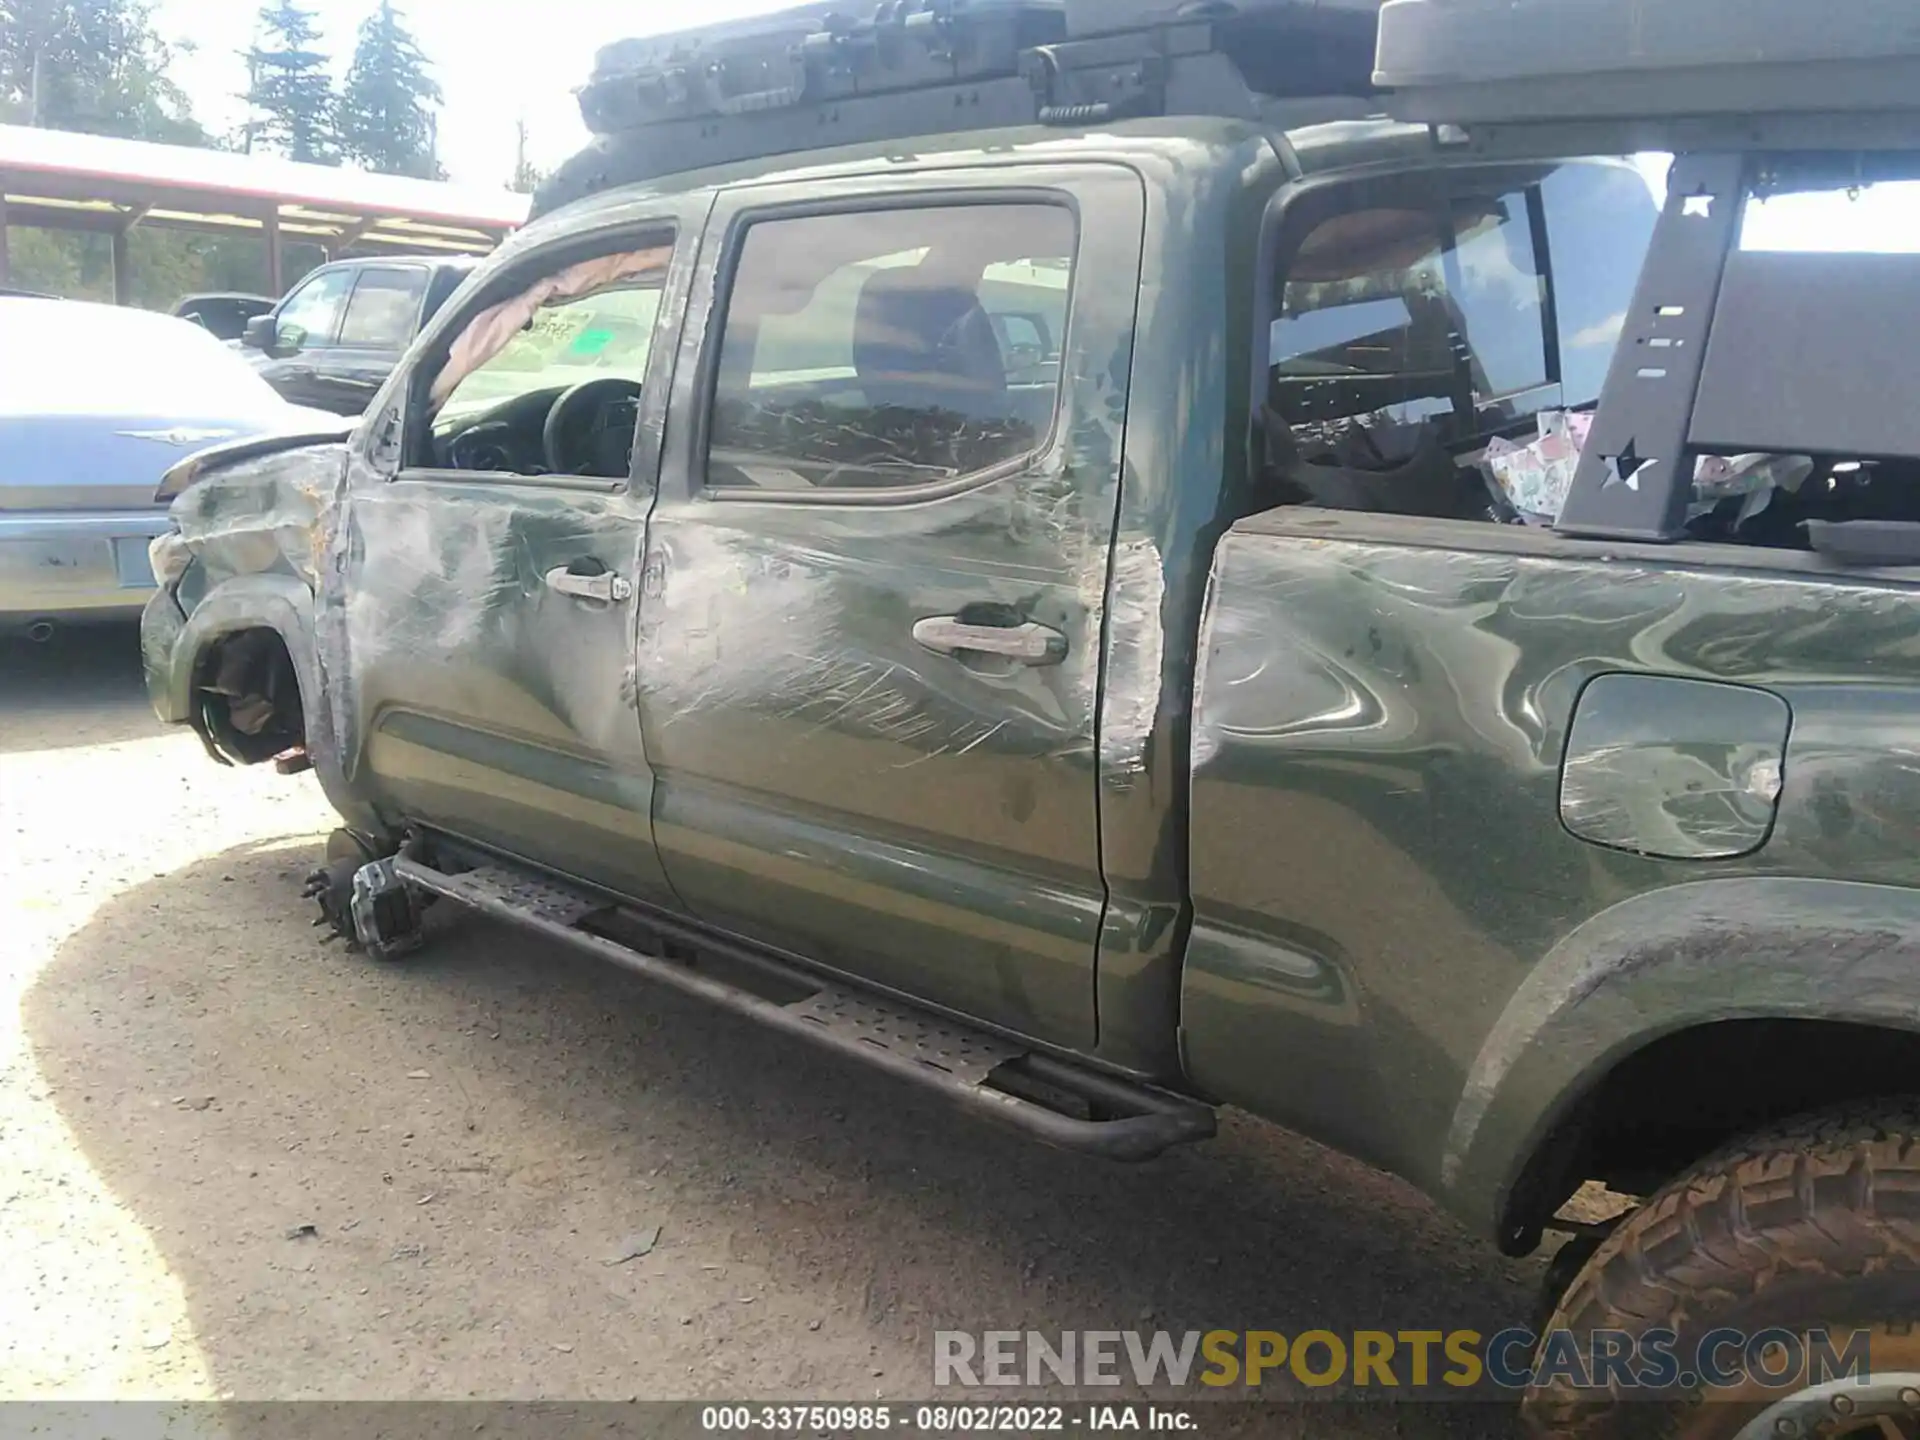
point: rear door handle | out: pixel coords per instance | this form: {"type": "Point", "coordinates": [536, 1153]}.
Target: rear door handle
{"type": "Point", "coordinates": [1029, 644]}
{"type": "Point", "coordinates": [607, 588]}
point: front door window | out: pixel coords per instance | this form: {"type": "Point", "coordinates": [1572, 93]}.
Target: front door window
{"type": "Point", "coordinates": [548, 380]}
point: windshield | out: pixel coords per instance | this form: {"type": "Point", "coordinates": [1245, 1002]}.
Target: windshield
{"type": "Point", "coordinates": [65, 356]}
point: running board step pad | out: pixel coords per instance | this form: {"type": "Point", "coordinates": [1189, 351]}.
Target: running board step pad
{"type": "Point", "coordinates": [948, 1057]}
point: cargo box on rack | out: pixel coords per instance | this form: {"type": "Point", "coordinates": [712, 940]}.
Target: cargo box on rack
{"type": "Point", "coordinates": [813, 54]}
{"type": "Point", "coordinates": [864, 72]}
{"type": "Point", "coordinates": [1108, 17]}
{"type": "Point", "coordinates": [1467, 62]}
{"type": "Point", "coordinates": [1281, 47]}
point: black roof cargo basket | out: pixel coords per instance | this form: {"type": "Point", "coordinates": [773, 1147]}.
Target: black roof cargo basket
{"type": "Point", "coordinates": [813, 54]}
{"type": "Point", "coordinates": [853, 72]}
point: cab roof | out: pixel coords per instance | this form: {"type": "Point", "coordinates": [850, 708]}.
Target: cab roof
{"type": "Point", "coordinates": [1310, 137]}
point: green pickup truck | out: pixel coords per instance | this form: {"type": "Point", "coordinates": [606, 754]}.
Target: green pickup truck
{"type": "Point", "coordinates": [1048, 611]}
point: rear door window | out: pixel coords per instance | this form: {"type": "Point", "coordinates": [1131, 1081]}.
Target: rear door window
{"type": "Point", "coordinates": [384, 308]}
{"type": "Point", "coordinates": [893, 348]}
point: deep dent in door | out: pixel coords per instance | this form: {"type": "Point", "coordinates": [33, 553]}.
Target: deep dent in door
{"type": "Point", "coordinates": [472, 695]}
{"type": "Point", "coordinates": [792, 636]}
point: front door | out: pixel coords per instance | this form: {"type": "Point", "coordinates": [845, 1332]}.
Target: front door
{"type": "Point", "coordinates": [305, 325]}
{"type": "Point", "coordinates": [491, 583]}
{"type": "Point", "coordinates": [870, 647]}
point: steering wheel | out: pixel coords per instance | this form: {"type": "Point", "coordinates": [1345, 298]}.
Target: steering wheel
{"type": "Point", "coordinates": [555, 439]}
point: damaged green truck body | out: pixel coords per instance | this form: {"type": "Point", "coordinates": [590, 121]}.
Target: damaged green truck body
{"type": "Point", "coordinates": [1332, 881]}
{"type": "Point", "coordinates": [1502, 859]}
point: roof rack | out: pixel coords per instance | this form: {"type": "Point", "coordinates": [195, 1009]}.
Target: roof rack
{"type": "Point", "coordinates": [835, 74]}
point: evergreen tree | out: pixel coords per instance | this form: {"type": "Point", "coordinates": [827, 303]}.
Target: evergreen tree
{"type": "Point", "coordinates": [98, 66]}
{"type": "Point", "coordinates": [90, 65]}
{"type": "Point", "coordinates": [387, 120]}
{"type": "Point", "coordinates": [527, 176]}
{"type": "Point", "coordinates": [292, 93]}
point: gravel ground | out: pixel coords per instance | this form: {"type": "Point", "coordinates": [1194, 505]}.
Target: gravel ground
{"type": "Point", "coordinates": [189, 1078]}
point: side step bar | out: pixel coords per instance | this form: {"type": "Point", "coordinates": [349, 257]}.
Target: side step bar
{"type": "Point", "coordinates": [1063, 1104]}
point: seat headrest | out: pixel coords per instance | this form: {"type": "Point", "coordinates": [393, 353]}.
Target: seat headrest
{"type": "Point", "coordinates": [922, 343]}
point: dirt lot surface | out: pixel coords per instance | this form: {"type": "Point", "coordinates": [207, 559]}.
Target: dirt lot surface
{"type": "Point", "coordinates": [190, 1078]}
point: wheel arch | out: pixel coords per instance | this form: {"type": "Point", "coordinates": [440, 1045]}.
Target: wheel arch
{"type": "Point", "coordinates": [1693, 976]}
{"type": "Point", "coordinates": [283, 606]}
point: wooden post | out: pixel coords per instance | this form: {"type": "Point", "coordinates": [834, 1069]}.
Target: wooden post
{"type": "Point", "coordinates": [122, 269]}
{"type": "Point", "coordinates": [276, 274]}
{"type": "Point", "coordinates": [122, 259]}
{"type": "Point", "coordinates": [349, 237]}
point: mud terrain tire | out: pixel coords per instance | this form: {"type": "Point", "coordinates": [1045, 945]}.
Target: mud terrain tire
{"type": "Point", "coordinates": [1815, 1225]}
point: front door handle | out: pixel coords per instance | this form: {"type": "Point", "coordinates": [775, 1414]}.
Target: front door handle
{"type": "Point", "coordinates": [1029, 644]}
{"type": "Point", "coordinates": [606, 587]}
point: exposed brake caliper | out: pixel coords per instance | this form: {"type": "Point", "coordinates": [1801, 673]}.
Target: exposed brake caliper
{"type": "Point", "coordinates": [369, 906]}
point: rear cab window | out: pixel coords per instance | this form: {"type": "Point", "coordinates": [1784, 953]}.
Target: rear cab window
{"type": "Point", "coordinates": [1422, 317]}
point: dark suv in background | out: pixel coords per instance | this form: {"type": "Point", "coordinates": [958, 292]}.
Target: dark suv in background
{"type": "Point", "coordinates": [334, 339]}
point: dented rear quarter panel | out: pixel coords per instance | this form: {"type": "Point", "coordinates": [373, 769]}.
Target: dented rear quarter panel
{"type": "Point", "coordinates": [1399, 947]}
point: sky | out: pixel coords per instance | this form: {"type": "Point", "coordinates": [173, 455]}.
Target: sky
{"type": "Point", "coordinates": [499, 61]}
{"type": "Point", "coordinates": [503, 61]}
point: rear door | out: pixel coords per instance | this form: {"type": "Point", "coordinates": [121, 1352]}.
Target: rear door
{"type": "Point", "coordinates": [869, 659]}
{"type": "Point", "coordinates": [381, 317]}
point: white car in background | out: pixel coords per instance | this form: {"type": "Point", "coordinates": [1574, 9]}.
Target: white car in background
{"type": "Point", "coordinates": [96, 403]}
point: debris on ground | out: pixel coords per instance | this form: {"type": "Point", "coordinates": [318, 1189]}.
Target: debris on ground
{"type": "Point", "coordinates": [636, 1246]}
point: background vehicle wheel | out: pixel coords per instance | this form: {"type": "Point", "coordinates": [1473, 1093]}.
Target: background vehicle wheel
{"type": "Point", "coordinates": [1814, 1226]}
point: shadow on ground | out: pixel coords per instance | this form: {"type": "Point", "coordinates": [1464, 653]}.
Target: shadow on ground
{"type": "Point", "coordinates": [83, 687]}
{"type": "Point", "coordinates": [476, 1136]}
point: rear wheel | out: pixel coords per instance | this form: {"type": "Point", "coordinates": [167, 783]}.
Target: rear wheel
{"type": "Point", "coordinates": [1806, 1237]}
